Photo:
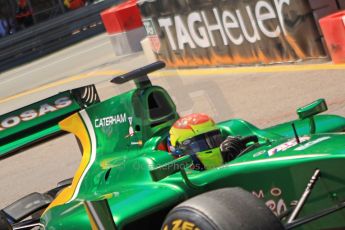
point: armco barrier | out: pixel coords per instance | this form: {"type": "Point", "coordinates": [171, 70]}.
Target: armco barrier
{"type": "Point", "coordinates": [322, 8]}
{"type": "Point", "coordinates": [333, 28]}
{"type": "Point", "coordinates": [50, 36]}
{"type": "Point", "coordinates": [216, 32]}
{"type": "Point", "coordinates": [124, 27]}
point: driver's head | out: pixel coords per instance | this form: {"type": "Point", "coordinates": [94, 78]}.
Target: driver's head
{"type": "Point", "coordinates": [197, 135]}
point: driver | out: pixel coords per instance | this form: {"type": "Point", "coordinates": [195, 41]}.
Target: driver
{"type": "Point", "coordinates": [197, 135]}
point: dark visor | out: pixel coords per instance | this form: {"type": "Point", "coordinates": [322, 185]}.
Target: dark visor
{"type": "Point", "coordinates": [201, 142]}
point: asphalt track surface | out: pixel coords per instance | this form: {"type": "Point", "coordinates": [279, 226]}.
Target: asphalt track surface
{"type": "Point", "coordinates": [263, 96]}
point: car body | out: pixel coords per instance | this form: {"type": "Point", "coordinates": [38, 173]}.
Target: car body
{"type": "Point", "coordinates": [126, 165]}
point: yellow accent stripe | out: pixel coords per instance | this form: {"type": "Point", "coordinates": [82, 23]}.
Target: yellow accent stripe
{"type": "Point", "coordinates": [75, 125]}
{"type": "Point", "coordinates": [252, 69]}
{"type": "Point", "coordinates": [190, 72]}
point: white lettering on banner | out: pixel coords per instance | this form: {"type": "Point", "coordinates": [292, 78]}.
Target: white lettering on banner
{"type": "Point", "coordinates": [32, 114]}
{"type": "Point", "coordinates": [182, 34]}
{"type": "Point", "coordinates": [216, 27]}
{"type": "Point", "coordinates": [279, 6]}
{"type": "Point", "coordinates": [111, 120]}
{"type": "Point", "coordinates": [262, 16]}
{"type": "Point", "coordinates": [166, 23]}
{"type": "Point", "coordinates": [231, 26]}
{"type": "Point", "coordinates": [202, 40]}
{"type": "Point", "coordinates": [256, 36]}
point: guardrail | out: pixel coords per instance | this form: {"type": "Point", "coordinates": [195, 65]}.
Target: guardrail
{"type": "Point", "coordinates": [52, 35]}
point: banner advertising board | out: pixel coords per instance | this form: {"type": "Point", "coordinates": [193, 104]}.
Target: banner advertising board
{"type": "Point", "coordinates": [186, 33]}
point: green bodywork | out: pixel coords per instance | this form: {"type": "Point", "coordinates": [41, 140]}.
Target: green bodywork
{"type": "Point", "coordinates": [39, 120]}
{"type": "Point", "coordinates": [141, 186]}
{"type": "Point", "coordinates": [124, 163]}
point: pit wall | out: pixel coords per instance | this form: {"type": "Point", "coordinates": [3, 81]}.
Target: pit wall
{"type": "Point", "coordinates": [189, 33]}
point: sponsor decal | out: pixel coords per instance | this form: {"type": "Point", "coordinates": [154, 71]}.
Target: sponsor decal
{"type": "Point", "coordinates": [274, 200]}
{"type": "Point", "coordinates": [201, 27]}
{"type": "Point", "coordinates": [140, 142]}
{"type": "Point", "coordinates": [131, 130]}
{"type": "Point", "coordinates": [311, 143]}
{"type": "Point", "coordinates": [110, 120]}
{"type": "Point", "coordinates": [131, 133]}
{"type": "Point", "coordinates": [213, 33]}
{"type": "Point", "coordinates": [179, 224]}
{"type": "Point", "coordinates": [152, 34]}
{"type": "Point", "coordinates": [259, 153]}
{"type": "Point", "coordinates": [286, 145]}
{"type": "Point", "coordinates": [31, 114]}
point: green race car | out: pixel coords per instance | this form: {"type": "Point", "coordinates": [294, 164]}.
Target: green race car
{"type": "Point", "coordinates": [287, 176]}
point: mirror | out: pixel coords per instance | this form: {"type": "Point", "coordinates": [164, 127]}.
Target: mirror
{"type": "Point", "coordinates": [312, 109]}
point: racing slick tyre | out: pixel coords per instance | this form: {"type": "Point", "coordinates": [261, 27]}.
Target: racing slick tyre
{"type": "Point", "coordinates": [222, 209]}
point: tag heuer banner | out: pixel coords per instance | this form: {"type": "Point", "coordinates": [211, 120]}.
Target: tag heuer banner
{"type": "Point", "coordinates": [227, 32]}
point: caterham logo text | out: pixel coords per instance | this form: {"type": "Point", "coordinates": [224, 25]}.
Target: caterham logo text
{"type": "Point", "coordinates": [31, 114]}
{"type": "Point", "coordinates": [111, 120]}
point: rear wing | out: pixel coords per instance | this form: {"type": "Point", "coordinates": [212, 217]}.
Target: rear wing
{"type": "Point", "coordinates": [39, 121]}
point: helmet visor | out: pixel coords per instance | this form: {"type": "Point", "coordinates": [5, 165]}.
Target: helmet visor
{"type": "Point", "coordinates": [202, 142]}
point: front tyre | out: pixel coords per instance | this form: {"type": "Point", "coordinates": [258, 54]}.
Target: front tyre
{"type": "Point", "coordinates": [222, 209]}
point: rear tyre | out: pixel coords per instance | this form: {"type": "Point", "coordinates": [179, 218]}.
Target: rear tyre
{"type": "Point", "coordinates": [222, 209]}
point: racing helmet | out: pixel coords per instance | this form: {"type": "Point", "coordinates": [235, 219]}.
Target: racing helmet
{"type": "Point", "coordinates": [198, 136]}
